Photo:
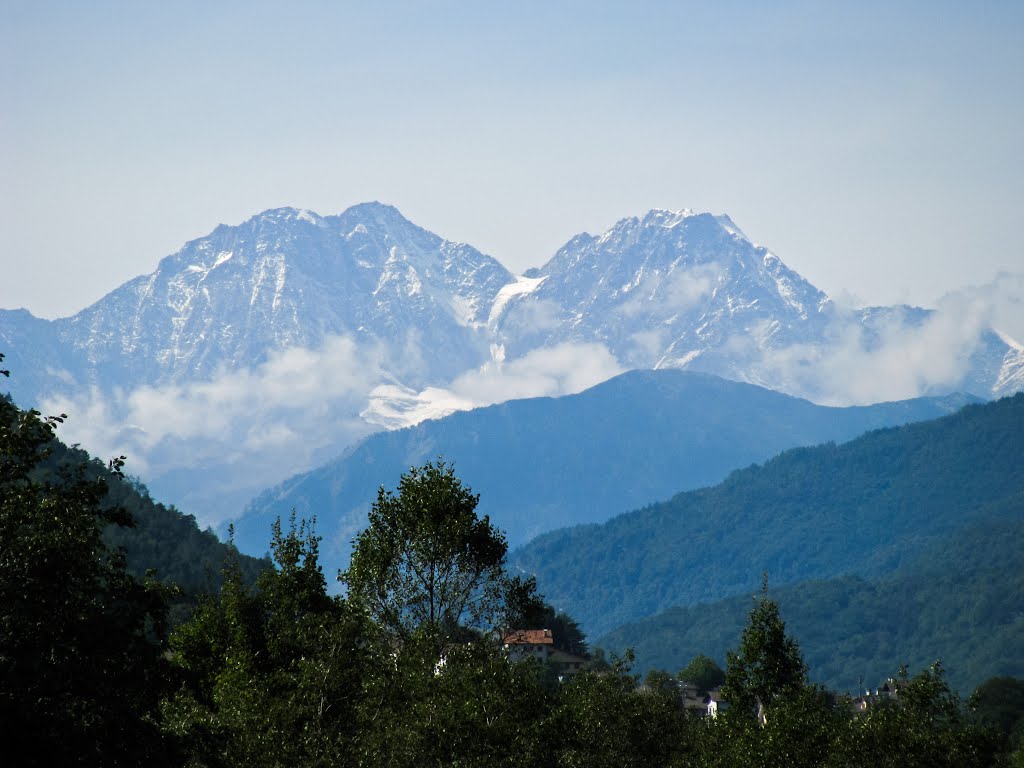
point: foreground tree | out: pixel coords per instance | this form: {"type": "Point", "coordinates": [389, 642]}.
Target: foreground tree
{"type": "Point", "coordinates": [768, 666]}
{"type": "Point", "coordinates": [998, 703]}
{"type": "Point", "coordinates": [924, 726]}
{"type": "Point", "coordinates": [470, 707]}
{"type": "Point", "coordinates": [800, 731]}
{"type": "Point", "coordinates": [270, 676]}
{"type": "Point", "coordinates": [440, 689]}
{"type": "Point", "coordinates": [81, 668]}
{"type": "Point", "coordinates": [426, 562]}
{"type": "Point", "coordinates": [774, 717]}
{"type": "Point", "coordinates": [603, 719]}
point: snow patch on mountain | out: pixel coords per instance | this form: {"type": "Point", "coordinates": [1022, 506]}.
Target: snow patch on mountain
{"type": "Point", "coordinates": [550, 372]}
{"type": "Point", "coordinates": [523, 286]}
{"type": "Point", "coordinates": [393, 406]}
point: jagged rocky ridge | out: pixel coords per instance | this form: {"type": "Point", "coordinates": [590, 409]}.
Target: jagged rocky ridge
{"type": "Point", "coordinates": [668, 290]}
{"type": "Point", "coordinates": [285, 278]}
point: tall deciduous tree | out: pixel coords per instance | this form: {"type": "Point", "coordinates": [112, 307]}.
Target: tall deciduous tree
{"type": "Point", "coordinates": [427, 562]}
{"type": "Point", "coordinates": [703, 672]}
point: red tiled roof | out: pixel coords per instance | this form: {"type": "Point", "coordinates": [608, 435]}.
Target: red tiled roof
{"type": "Point", "coordinates": [529, 637]}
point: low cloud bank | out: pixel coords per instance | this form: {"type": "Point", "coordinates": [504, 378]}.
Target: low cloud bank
{"type": "Point", "coordinates": [563, 369]}
{"type": "Point", "coordinates": [900, 353]}
{"type": "Point", "coordinates": [209, 446]}
{"type": "Point", "coordinates": [244, 429]}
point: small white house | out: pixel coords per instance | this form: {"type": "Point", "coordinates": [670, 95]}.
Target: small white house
{"type": "Point", "coordinates": [524, 643]}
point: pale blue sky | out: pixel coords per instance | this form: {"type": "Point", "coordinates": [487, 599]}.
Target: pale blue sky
{"type": "Point", "coordinates": [875, 147]}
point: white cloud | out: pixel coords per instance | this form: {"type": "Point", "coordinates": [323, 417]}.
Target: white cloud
{"type": "Point", "coordinates": [257, 425]}
{"type": "Point", "coordinates": [896, 357]}
{"type": "Point", "coordinates": [204, 444]}
{"type": "Point", "coordinates": [1000, 303]}
{"type": "Point", "coordinates": [648, 345]}
{"type": "Point", "coordinates": [679, 291]}
{"type": "Point", "coordinates": [547, 372]}
{"type": "Point", "coordinates": [530, 314]}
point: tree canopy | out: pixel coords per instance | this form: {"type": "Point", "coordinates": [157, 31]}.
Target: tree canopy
{"type": "Point", "coordinates": [426, 561]}
{"type": "Point", "coordinates": [702, 671]}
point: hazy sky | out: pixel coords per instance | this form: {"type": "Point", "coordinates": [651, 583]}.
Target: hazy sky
{"type": "Point", "coordinates": [875, 147]}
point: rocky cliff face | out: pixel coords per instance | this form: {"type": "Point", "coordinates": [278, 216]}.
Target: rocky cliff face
{"type": "Point", "coordinates": [290, 278]}
{"type": "Point", "coordinates": [663, 291]}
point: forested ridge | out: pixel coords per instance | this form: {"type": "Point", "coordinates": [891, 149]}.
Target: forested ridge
{"type": "Point", "coordinates": [962, 602]}
{"type": "Point", "coordinates": [864, 508]}
{"type": "Point", "coordinates": [546, 463]}
{"type": "Point", "coordinates": [407, 667]}
{"type": "Point", "coordinates": [159, 538]}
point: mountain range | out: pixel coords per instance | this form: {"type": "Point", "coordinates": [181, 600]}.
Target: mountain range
{"type": "Point", "coordinates": [265, 355]}
{"type": "Point", "coordinates": [267, 348]}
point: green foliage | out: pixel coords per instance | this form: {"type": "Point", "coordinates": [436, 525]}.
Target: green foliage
{"type": "Point", "coordinates": [565, 631]}
{"type": "Point", "coordinates": [426, 562]}
{"type": "Point", "coordinates": [467, 706]}
{"type": "Point", "coordinates": [80, 638]}
{"type": "Point", "coordinates": [961, 601]}
{"type": "Point", "coordinates": [925, 726]}
{"type": "Point", "coordinates": [160, 540]}
{"type": "Point", "coordinates": [703, 672]}
{"type": "Point", "coordinates": [601, 720]}
{"type": "Point", "coordinates": [269, 676]}
{"type": "Point", "coordinates": [171, 545]}
{"type": "Point", "coordinates": [801, 730]}
{"type": "Point", "coordinates": [768, 665]}
{"type": "Point", "coordinates": [998, 703]}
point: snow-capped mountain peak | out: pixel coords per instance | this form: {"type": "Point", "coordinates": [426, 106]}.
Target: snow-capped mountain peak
{"type": "Point", "coordinates": [662, 289]}
{"type": "Point", "coordinates": [290, 277]}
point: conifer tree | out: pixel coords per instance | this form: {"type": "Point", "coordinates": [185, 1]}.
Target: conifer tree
{"type": "Point", "coordinates": [768, 665]}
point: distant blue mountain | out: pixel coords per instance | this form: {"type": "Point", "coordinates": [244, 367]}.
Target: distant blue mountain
{"type": "Point", "coordinates": [546, 463]}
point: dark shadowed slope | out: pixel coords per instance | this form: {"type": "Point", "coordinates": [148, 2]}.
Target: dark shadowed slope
{"type": "Point", "coordinates": [961, 602]}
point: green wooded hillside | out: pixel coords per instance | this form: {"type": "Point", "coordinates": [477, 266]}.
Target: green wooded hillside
{"type": "Point", "coordinates": [408, 669]}
{"type": "Point", "coordinates": [162, 538]}
{"type": "Point", "coordinates": [862, 508]}
{"type": "Point", "coordinates": [545, 463]}
{"type": "Point", "coordinates": [961, 602]}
